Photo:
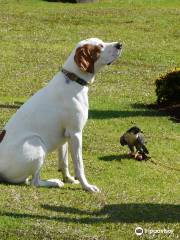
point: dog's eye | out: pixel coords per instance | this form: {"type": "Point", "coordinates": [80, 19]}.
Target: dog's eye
{"type": "Point", "coordinates": [101, 45]}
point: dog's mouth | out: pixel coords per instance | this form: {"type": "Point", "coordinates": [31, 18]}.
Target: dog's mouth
{"type": "Point", "coordinates": [115, 55]}
{"type": "Point", "coordinates": [114, 58]}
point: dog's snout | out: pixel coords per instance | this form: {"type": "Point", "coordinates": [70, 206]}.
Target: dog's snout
{"type": "Point", "coordinates": [118, 45]}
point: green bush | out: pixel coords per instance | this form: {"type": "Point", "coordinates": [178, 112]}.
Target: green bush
{"type": "Point", "coordinates": [168, 88]}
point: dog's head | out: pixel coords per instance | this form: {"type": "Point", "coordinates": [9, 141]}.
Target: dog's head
{"type": "Point", "coordinates": [91, 54]}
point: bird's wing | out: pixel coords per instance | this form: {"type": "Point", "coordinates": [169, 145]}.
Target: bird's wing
{"type": "Point", "coordinates": [140, 138]}
{"type": "Point", "coordinates": [130, 138]}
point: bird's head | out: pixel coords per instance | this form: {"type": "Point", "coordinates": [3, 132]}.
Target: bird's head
{"type": "Point", "coordinates": [134, 130]}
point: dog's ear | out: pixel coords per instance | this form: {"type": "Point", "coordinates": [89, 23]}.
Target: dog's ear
{"type": "Point", "coordinates": [86, 56]}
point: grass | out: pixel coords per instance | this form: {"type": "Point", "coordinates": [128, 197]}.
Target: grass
{"type": "Point", "coordinates": [35, 38]}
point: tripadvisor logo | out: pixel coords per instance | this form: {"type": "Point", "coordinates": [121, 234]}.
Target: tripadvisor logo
{"type": "Point", "coordinates": [139, 231]}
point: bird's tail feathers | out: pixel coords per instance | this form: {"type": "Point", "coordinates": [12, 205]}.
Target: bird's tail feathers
{"type": "Point", "coordinates": [145, 149]}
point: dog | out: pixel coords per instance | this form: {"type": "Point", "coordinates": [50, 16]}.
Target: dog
{"type": "Point", "coordinates": [54, 118]}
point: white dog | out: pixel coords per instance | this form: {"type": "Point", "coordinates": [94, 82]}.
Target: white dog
{"type": "Point", "coordinates": [53, 118]}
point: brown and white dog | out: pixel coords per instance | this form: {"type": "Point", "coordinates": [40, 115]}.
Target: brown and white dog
{"type": "Point", "coordinates": [54, 118]}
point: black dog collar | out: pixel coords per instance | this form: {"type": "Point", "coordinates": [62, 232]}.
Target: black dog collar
{"type": "Point", "coordinates": [73, 77]}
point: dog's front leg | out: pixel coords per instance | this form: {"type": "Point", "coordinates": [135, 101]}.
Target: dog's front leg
{"type": "Point", "coordinates": [76, 152]}
{"type": "Point", "coordinates": [63, 165]}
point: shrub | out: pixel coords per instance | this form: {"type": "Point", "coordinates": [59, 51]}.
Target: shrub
{"type": "Point", "coordinates": [168, 88]}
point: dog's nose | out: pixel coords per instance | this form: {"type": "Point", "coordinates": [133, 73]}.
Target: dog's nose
{"type": "Point", "coordinates": [118, 45]}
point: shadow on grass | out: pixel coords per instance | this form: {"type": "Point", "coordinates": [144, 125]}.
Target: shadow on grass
{"type": "Point", "coordinates": [10, 106]}
{"type": "Point", "coordinates": [118, 157]}
{"type": "Point", "coordinates": [145, 111]}
{"type": "Point", "coordinates": [15, 105]}
{"type": "Point", "coordinates": [115, 213]}
{"type": "Point", "coordinates": [164, 110]}
{"type": "Point", "coordinates": [139, 106]}
{"type": "Point", "coordinates": [62, 1]}
{"type": "Point", "coordinates": [106, 114]}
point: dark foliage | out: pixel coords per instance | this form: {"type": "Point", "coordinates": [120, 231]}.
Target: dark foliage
{"type": "Point", "coordinates": [168, 88]}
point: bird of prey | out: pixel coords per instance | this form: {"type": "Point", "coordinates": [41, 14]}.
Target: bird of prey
{"type": "Point", "coordinates": [134, 139]}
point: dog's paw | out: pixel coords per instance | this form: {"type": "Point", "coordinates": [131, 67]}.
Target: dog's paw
{"type": "Point", "coordinates": [91, 188]}
{"type": "Point", "coordinates": [55, 183]}
{"type": "Point", "coordinates": [70, 179]}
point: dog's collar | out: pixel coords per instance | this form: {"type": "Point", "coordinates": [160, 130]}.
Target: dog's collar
{"type": "Point", "coordinates": [73, 77]}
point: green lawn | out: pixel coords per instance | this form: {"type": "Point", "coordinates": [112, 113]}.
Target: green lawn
{"type": "Point", "coordinates": [36, 37]}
